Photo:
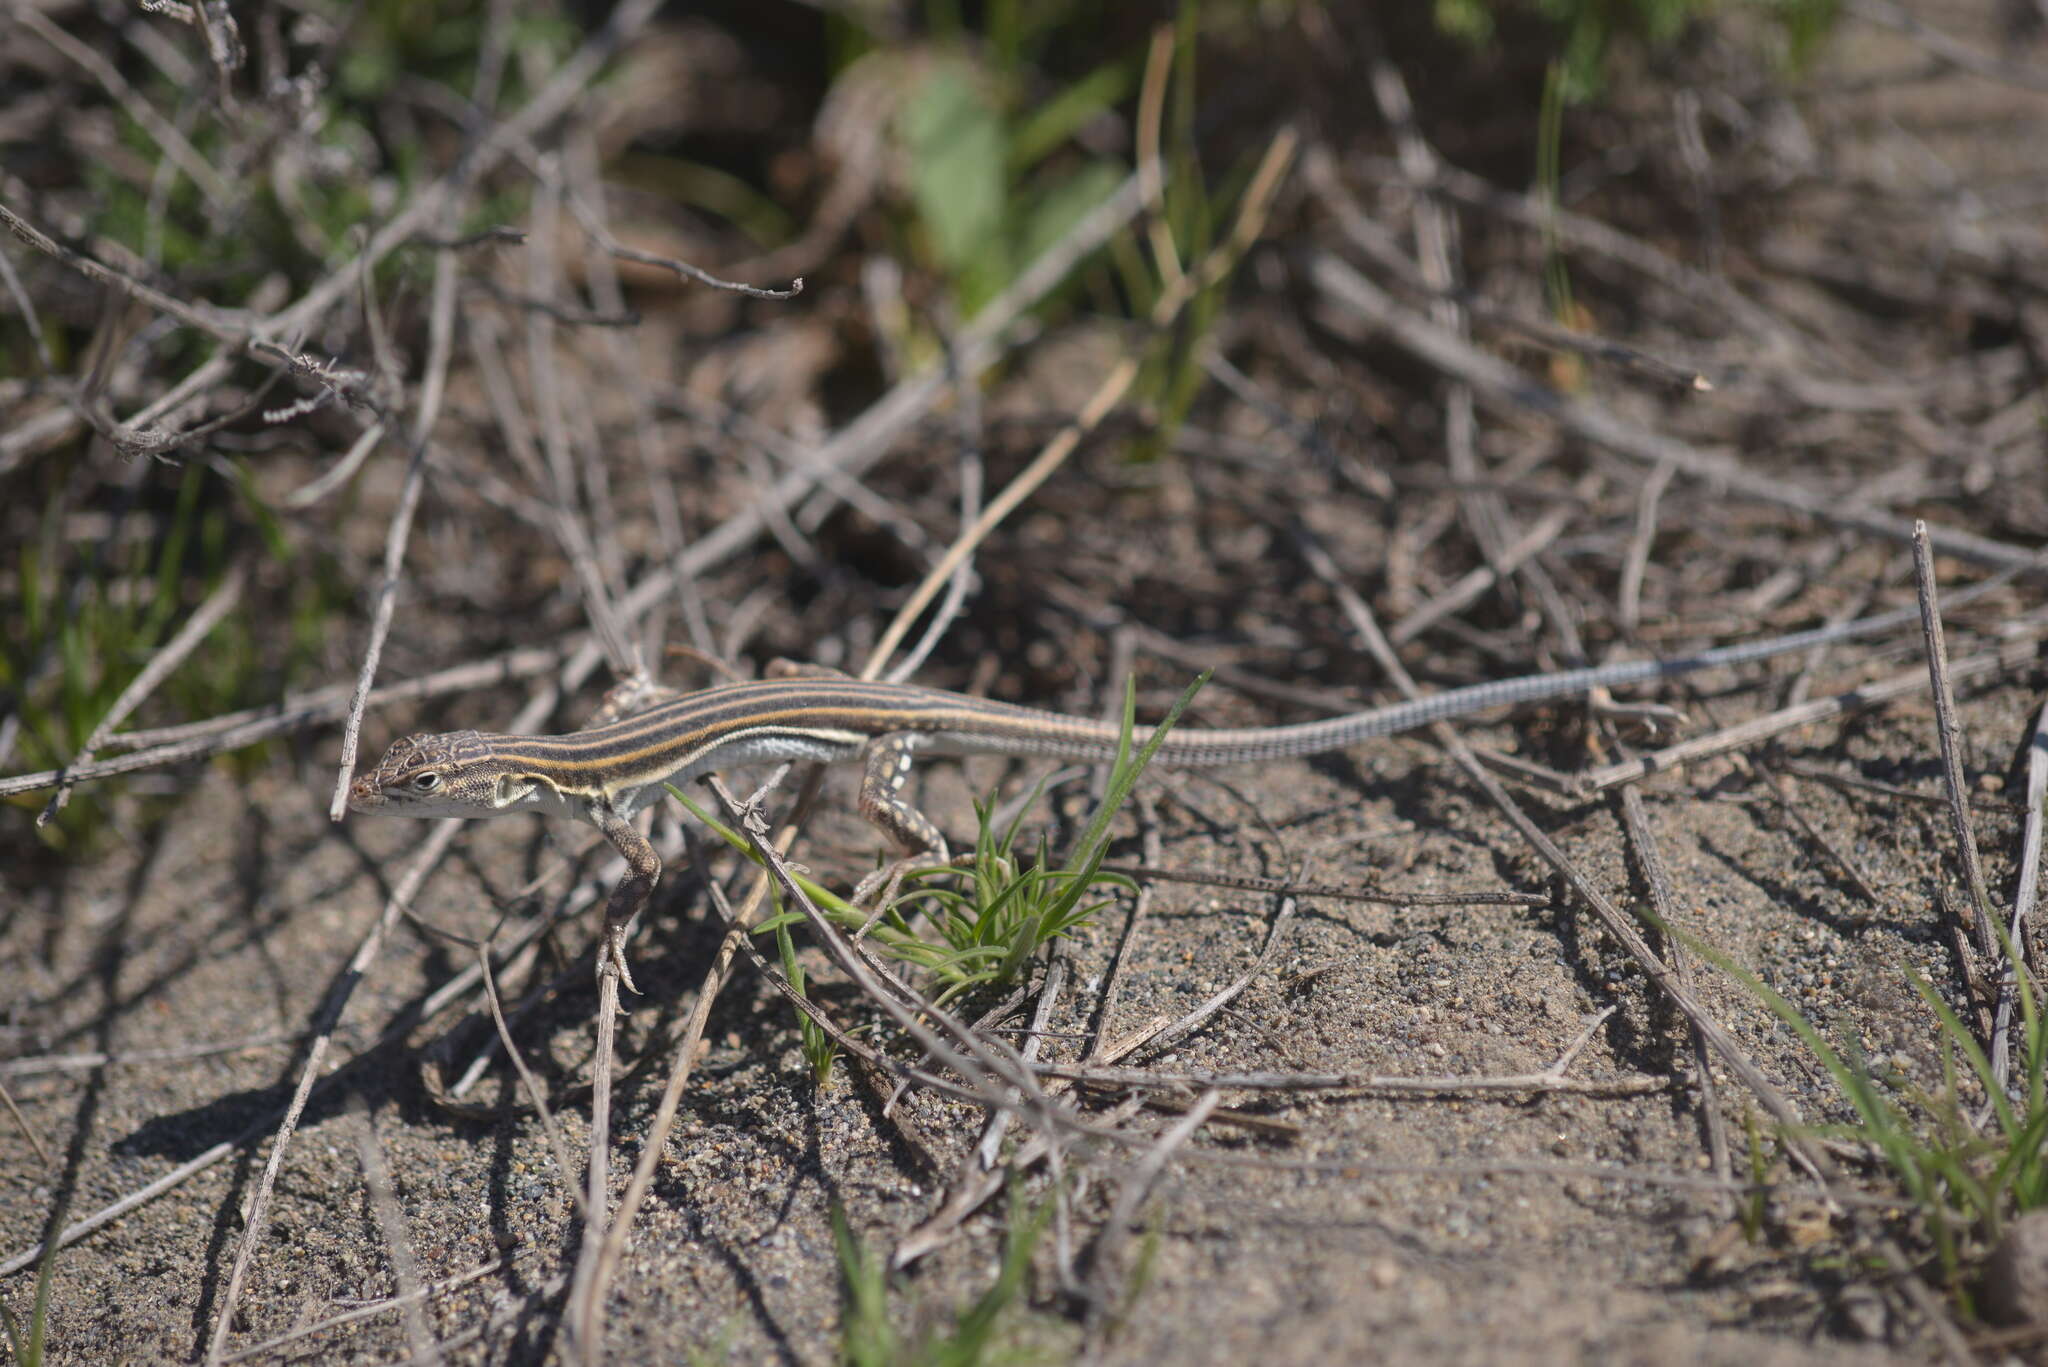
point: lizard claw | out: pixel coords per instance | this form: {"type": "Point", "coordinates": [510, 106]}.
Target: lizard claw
{"type": "Point", "coordinates": [611, 959]}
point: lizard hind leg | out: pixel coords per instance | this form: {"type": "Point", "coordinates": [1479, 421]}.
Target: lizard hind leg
{"type": "Point", "coordinates": [782, 667]}
{"type": "Point", "coordinates": [882, 805]}
{"type": "Point", "coordinates": [629, 697]}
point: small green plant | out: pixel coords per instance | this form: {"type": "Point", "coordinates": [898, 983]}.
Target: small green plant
{"type": "Point", "coordinates": [866, 1334]}
{"type": "Point", "coordinates": [986, 131]}
{"type": "Point", "coordinates": [869, 1338]}
{"type": "Point", "coordinates": [229, 236]}
{"type": "Point", "coordinates": [1759, 1175]}
{"type": "Point", "coordinates": [1004, 909]}
{"type": "Point", "coordinates": [28, 1342]}
{"type": "Point", "coordinates": [1557, 281]}
{"type": "Point", "coordinates": [1965, 1175]}
{"type": "Point", "coordinates": [989, 117]}
{"type": "Point", "coordinates": [988, 192]}
{"type": "Point", "coordinates": [819, 1048]}
{"type": "Point", "coordinates": [90, 613]}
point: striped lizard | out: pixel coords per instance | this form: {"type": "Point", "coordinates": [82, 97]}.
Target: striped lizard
{"type": "Point", "coordinates": [645, 736]}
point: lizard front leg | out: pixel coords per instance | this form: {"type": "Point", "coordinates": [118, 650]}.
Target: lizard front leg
{"type": "Point", "coordinates": [643, 870]}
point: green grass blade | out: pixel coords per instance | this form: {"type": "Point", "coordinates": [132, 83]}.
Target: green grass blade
{"type": "Point", "coordinates": [866, 1338]}
{"type": "Point", "coordinates": [1882, 1123]}
{"type": "Point", "coordinates": [1960, 1035]}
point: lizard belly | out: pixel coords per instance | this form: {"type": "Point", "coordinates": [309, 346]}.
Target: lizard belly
{"type": "Point", "coordinates": [767, 746]}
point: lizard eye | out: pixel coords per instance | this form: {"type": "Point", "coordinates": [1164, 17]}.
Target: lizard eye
{"type": "Point", "coordinates": [427, 782]}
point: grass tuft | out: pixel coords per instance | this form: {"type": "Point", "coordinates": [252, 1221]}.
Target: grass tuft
{"type": "Point", "coordinates": [1967, 1159]}
{"type": "Point", "coordinates": [978, 1332]}
{"type": "Point", "coordinates": [28, 1343]}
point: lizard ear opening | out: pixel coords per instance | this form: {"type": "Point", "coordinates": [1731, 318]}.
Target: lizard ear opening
{"type": "Point", "coordinates": [510, 790]}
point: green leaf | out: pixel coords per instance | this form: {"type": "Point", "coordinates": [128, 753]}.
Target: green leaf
{"type": "Point", "coordinates": [1061, 206]}
{"type": "Point", "coordinates": [955, 139]}
{"type": "Point", "coordinates": [1058, 118]}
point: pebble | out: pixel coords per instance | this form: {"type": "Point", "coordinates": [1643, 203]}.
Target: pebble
{"type": "Point", "coordinates": [2015, 1288]}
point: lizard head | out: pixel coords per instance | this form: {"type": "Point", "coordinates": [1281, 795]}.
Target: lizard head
{"type": "Point", "coordinates": [452, 775]}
